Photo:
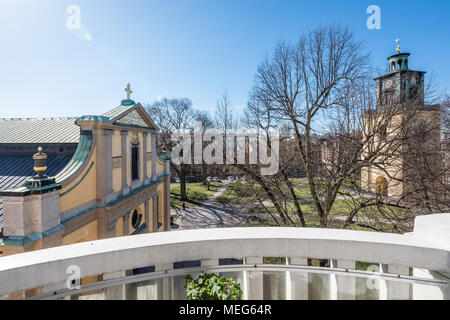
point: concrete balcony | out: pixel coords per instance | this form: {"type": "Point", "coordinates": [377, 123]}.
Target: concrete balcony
{"type": "Point", "coordinates": [153, 266]}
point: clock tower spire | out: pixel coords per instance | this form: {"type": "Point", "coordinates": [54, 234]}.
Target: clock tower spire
{"type": "Point", "coordinates": [400, 84]}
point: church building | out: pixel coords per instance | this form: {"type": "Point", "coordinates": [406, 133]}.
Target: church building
{"type": "Point", "coordinates": [69, 180]}
{"type": "Point", "coordinates": [400, 89]}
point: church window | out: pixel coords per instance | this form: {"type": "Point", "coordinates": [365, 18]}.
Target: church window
{"type": "Point", "coordinates": [134, 161]}
{"type": "Point", "coordinates": [381, 186]}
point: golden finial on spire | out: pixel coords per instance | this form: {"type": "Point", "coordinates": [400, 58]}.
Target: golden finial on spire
{"type": "Point", "coordinates": [398, 45]}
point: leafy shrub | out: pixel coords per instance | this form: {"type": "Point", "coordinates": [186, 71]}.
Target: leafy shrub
{"type": "Point", "coordinates": [209, 286]}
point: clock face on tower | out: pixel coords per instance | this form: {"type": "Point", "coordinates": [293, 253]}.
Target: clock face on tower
{"type": "Point", "coordinates": [413, 80]}
{"type": "Point", "coordinates": [388, 83]}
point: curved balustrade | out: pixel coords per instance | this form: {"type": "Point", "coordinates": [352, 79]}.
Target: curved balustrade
{"type": "Point", "coordinates": [426, 251]}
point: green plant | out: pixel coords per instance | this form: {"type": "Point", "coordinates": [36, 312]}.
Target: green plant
{"type": "Point", "coordinates": [209, 286]}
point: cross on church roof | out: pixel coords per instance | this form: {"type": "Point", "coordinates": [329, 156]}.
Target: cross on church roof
{"type": "Point", "coordinates": [128, 91]}
{"type": "Point", "coordinates": [398, 45]}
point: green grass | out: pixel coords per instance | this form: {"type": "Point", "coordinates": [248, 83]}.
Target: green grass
{"type": "Point", "coordinates": [238, 192]}
{"type": "Point", "coordinates": [241, 193]}
{"type": "Point", "coordinates": [196, 193]}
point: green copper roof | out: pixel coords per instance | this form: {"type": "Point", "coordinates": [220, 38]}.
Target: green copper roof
{"type": "Point", "coordinates": [93, 118]}
{"type": "Point", "coordinates": [81, 154]}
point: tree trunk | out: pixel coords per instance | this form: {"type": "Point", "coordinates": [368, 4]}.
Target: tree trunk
{"type": "Point", "coordinates": [204, 181]}
{"type": "Point", "coordinates": [183, 195]}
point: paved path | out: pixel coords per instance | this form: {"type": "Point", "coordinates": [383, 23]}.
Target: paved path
{"type": "Point", "coordinates": [209, 215]}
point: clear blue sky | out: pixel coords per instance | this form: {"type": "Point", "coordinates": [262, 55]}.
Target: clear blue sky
{"type": "Point", "coordinates": [179, 48]}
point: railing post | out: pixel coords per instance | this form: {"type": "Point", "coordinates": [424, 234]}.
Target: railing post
{"type": "Point", "coordinates": [164, 286]}
{"type": "Point", "coordinates": [393, 290]}
{"type": "Point", "coordinates": [296, 282]}
{"type": "Point", "coordinates": [345, 285]}
{"type": "Point", "coordinates": [117, 292]}
{"type": "Point", "coordinates": [253, 281]}
{"type": "Point", "coordinates": [398, 290]}
{"type": "Point", "coordinates": [332, 283]}
{"type": "Point", "coordinates": [383, 285]}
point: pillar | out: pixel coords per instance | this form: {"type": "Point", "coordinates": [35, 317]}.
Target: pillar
{"type": "Point", "coordinates": [164, 286]}
{"type": "Point", "coordinates": [398, 290]}
{"type": "Point", "coordinates": [345, 285]}
{"type": "Point", "coordinates": [253, 280]}
{"type": "Point", "coordinates": [125, 186]}
{"type": "Point", "coordinates": [147, 214]}
{"type": "Point", "coordinates": [108, 165]}
{"type": "Point", "coordinates": [153, 156]}
{"type": "Point", "coordinates": [166, 203]}
{"type": "Point", "coordinates": [144, 157]}
{"type": "Point", "coordinates": [155, 213]}
{"type": "Point", "coordinates": [297, 281]}
{"type": "Point", "coordinates": [117, 292]}
{"type": "Point", "coordinates": [126, 224]}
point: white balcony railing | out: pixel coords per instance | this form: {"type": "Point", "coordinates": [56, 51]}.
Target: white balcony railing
{"type": "Point", "coordinates": [426, 252]}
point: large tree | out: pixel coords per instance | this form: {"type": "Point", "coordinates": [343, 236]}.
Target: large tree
{"type": "Point", "coordinates": [173, 115]}
{"type": "Point", "coordinates": [321, 89]}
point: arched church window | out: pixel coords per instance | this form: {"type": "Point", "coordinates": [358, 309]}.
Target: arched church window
{"type": "Point", "coordinates": [400, 64]}
{"type": "Point", "coordinates": [381, 186]}
{"type": "Point", "coordinates": [135, 159]}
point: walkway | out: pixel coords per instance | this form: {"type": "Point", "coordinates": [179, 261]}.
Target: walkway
{"type": "Point", "coordinates": [209, 215]}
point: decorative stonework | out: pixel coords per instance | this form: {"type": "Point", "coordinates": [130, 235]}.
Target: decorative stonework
{"type": "Point", "coordinates": [117, 162]}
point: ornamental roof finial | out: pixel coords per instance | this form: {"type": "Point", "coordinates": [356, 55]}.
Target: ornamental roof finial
{"type": "Point", "coordinates": [398, 45]}
{"type": "Point", "coordinates": [40, 163]}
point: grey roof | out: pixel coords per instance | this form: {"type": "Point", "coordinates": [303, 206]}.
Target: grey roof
{"type": "Point", "coordinates": [118, 111]}
{"type": "Point", "coordinates": [33, 130]}
{"type": "Point", "coordinates": [14, 170]}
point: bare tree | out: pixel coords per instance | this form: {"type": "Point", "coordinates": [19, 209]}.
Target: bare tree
{"type": "Point", "coordinates": [207, 123]}
{"type": "Point", "coordinates": [321, 88]}
{"type": "Point", "coordinates": [173, 115]}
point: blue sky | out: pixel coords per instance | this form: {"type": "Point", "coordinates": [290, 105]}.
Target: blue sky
{"type": "Point", "coordinates": [183, 48]}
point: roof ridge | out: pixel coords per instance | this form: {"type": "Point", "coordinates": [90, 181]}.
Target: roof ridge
{"type": "Point", "coordinates": [48, 118]}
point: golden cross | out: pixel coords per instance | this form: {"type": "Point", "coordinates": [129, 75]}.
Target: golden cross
{"type": "Point", "coordinates": [128, 91]}
{"type": "Point", "coordinates": [398, 45]}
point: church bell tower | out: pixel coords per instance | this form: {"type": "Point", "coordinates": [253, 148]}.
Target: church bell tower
{"type": "Point", "coordinates": [400, 84]}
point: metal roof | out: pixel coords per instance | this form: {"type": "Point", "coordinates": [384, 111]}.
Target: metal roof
{"type": "Point", "coordinates": [118, 111]}
{"type": "Point", "coordinates": [35, 130]}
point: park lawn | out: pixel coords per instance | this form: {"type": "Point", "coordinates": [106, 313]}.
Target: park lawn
{"type": "Point", "coordinates": [238, 192]}
{"type": "Point", "coordinates": [197, 193]}
{"type": "Point", "coordinates": [340, 207]}
{"type": "Point", "coordinates": [311, 222]}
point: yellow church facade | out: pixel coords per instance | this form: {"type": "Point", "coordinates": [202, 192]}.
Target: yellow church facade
{"type": "Point", "coordinates": [116, 184]}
